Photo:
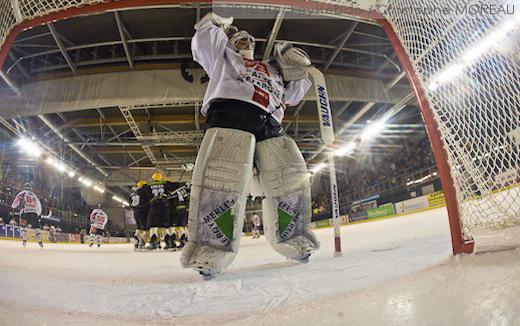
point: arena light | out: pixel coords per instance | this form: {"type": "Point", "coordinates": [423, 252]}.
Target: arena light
{"type": "Point", "coordinates": [372, 129]}
{"type": "Point", "coordinates": [99, 189]}
{"type": "Point", "coordinates": [60, 167]}
{"type": "Point", "coordinates": [474, 53]}
{"type": "Point", "coordinates": [345, 150]}
{"type": "Point", "coordinates": [491, 40]}
{"type": "Point", "coordinates": [30, 147]}
{"type": "Point", "coordinates": [125, 203]}
{"type": "Point", "coordinates": [117, 199]}
{"type": "Point", "coordinates": [318, 167]}
{"type": "Point", "coordinates": [71, 174]}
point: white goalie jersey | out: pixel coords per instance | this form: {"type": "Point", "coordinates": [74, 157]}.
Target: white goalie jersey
{"type": "Point", "coordinates": [98, 218]}
{"type": "Point", "coordinates": [28, 202]}
{"type": "Point", "coordinates": [232, 77]}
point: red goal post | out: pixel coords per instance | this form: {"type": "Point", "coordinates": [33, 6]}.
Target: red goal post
{"type": "Point", "coordinates": [429, 49]}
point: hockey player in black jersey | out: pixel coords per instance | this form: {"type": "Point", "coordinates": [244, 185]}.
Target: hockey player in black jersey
{"type": "Point", "coordinates": [178, 216]}
{"type": "Point", "coordinates": [169, 228]}
{"type": "Point", "coordinates": [159, 214]}
{"type": "Point", "coordinates": [140, 203]}
{"type": "Point", "coordinates": [181, 201]}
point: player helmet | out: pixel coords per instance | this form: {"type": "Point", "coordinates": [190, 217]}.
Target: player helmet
{"type": "Point", "coordinates": [141, 183]}
{"type": "Point", "coordinates": [27, 186]}
{"type": "Point", "coordinates": [244, 43]}
{"type": "Point", "coordinates": [157, 176]}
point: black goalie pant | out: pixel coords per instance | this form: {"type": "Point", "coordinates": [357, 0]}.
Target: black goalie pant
{"type": "Point", "coordinates": [158, 215]}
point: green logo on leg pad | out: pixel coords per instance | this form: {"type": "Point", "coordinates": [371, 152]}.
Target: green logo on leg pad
{"type": "Point", "coordinates": [287, 217]}
{"type": "Point", "coordinates": [225, 223]}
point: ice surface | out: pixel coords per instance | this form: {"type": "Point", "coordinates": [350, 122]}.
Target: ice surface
{"type": "Point", "coordinates": [397, 271]}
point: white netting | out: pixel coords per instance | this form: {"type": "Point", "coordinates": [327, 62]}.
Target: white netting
{"type": "Point", "coordinates": [35, 8]}
{"type": "Point", "coordinates": [471, 76]}
{"type": "Point", "coordinates": [469, 66]}
{"type": "Point", "coordinates": [7, 19]}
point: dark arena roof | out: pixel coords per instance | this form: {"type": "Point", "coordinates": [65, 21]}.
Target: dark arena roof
{"type": "Point", "coordinates": [78, 76]}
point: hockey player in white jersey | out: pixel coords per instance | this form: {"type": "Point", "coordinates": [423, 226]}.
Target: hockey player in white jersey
{"type": "Point", "coordinates": [30, 211]}
{"type": "Point", "coordinates": [98, 220]}
{"type": "Point", "coordinates": [255, 221]}
{"type": "Point", "coordinates": [244, 104]}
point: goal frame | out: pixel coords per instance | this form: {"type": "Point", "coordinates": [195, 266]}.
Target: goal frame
{"type": "Point", "coordinates": [459, 243]}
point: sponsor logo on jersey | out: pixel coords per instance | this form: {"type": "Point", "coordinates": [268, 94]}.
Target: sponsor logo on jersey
{"type": "Point", "coordinates": [268, 89]}
{"type": "Point", "coordinates": [220, 221]}
{"type": "Point", "coordinates": [324, 106]}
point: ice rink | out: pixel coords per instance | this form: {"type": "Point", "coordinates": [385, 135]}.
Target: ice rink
{"type": "Point", "coordinates": [397, 271]}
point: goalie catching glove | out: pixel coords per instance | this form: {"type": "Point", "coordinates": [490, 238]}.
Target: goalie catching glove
{"type": "Point", "coordinates": [292, 61]}
{"type": "Point", "coordinates": [224, 23]}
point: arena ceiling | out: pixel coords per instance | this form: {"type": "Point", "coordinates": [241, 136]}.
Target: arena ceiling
{"type": "Point", "coordinates": [126, 142]}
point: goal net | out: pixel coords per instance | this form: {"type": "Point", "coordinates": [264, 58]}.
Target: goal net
{"type": "Point", "coordinates": [462, 59]}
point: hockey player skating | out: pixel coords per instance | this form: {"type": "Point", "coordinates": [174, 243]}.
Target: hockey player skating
{"type": "Point", "coordinates": [98, 220]}
{"type": "Point", "coordinates": [30, 211]}
{"type": "Point", "coordinates": [244, 104]}
{"type": "Point", "coordinates": [23, 236]}
{"type": "Point", "coordinates": [140, 203]}
{"type": "Point", "coordinates": [158, 214]}
{"type": "Point", "coordinates": [255, 221]}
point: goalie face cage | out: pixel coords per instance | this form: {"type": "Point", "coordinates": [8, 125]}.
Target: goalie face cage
{"type": "Point", "coordinates": [463, 67]}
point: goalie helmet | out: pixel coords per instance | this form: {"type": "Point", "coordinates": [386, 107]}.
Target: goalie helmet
{"type": "Point", "coordinates": [27, 186]}
{"type": "Point", "coordinates": [244, 44]}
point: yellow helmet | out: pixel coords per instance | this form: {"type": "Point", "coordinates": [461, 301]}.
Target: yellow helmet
{"type": "Point", "coordinates": [141, 183]}
{"type": "Point", "coordinates": [157, 176]}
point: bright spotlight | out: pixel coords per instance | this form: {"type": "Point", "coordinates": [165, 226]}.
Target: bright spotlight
{"type": "Point", "coordinates": [372, 130]}
{"type": "Point", "coordinates": [60, 166]}
{"type": "Point", "coordinates": [117, 199]}
{"type": "Point", "coordinates": [318, 167]}
{"type": "Point", "coordinates": [99, 189]}
{"type": "Point", "coordinates": [30, 147]}
{"type": "Point", "coordinates": [125, 203]}
{"type": "Point", "coordinates": [72, 174]}
{"type": "Point", "coordinates": [474, 53]}
{"type": "Point", "coordinates": [345, 150]}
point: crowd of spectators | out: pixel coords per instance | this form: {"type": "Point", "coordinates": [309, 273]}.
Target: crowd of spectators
{"type": "Point", "coordinates": [358, 177]}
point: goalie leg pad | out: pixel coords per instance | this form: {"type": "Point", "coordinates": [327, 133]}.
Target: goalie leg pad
{"type": "Point", "coordinates": [287, 204]}
{"type": "Point", "coordinates": [220, 184]}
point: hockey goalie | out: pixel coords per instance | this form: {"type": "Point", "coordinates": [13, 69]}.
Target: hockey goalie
{"type": "Point", "coordinates": [244, 106]}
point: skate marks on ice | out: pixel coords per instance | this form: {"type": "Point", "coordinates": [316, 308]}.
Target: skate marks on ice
{"type": "Point", "coordinates": [470, 290]}
{"type": "Point", "coordinates": [153, 287]}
